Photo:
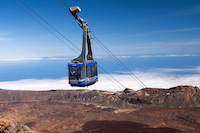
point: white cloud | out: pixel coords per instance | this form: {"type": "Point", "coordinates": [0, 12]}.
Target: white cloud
{"type": "Point", "coordinates": [175, 43]}
{"type": "Point", "coordinates": [35, 84]}
{"type": "Point", "coordinates": [172, 70]}
{"type": "Point", "coordinates": [145, 56]}
{"type": "Point", "coordinates": [4, 39]}
{"type": "Point", "coordinates": [186, 43]}
{"type": "Point", "coordinates": [124, 56]}
{"type": "Point", "coordinates": [164, 31]}
{"type": "Point", "coordinates": [170, 55]}
{"type": "Point", "coordinates": [191, 10]}
{"type": "Point", "coordinates": [20, 60]}
{"type": "Point", "coordinates": [175, 55]}
{"type": "Point", "coordinates": [166, 80]}
{"type": "Point", "coordinates": [35, 59]}
{"type": "Point", "coordinates": [158, 47]}
{"type": "Point", "coordinates": [187, 29]}
{"type": "Point", "coordinates": [197, 69]}
{"type": "Point", "coordinates": [157, 79]}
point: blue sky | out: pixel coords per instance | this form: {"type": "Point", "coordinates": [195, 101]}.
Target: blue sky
{"type": "Point", "coordinates": [129, 28]}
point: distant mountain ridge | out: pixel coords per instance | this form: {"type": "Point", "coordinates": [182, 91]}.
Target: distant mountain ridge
{"type": "Point", "coordinates": [177, 97]}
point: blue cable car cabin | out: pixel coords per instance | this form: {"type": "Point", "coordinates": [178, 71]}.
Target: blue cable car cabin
{"type": "Point", "coordinates": [83, 69]}
{"type": "Point", "coordinates": [82, 74]}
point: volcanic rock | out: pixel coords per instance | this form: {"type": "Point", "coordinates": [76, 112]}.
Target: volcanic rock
{"type": "Point", "coordinates": [177, 97]}
{"type": "Point", "coordinates": [13, 127]}
{"type": "Point", "coordinates": [67, 111]}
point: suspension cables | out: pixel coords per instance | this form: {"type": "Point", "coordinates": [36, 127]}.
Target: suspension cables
{"type": "Point", "coordinates": [43, 26]}
{"type": "Point", "coordinates": [49, 25]}
{"type": "Point", "coordinates": [112, 77]}
{"type": "Point", "coordinates": [109, 52]}
{"type": "Point", "coordinates": [119, 62]}
{"type": "Point", "coordinates": [64, 6]}
{"type": "Point", "coordinates": [59, 34]}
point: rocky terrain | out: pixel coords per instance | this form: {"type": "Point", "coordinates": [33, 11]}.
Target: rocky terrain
{"type": "Point", "coordinates": [14, 127]}
{"type": "Point", "coordinates": [180, 96]}
{"type": "Point", "coordinates": [65, 111]}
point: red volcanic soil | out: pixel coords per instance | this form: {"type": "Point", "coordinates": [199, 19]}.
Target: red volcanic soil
{"type": "Point", "coordinates": [106, 126]}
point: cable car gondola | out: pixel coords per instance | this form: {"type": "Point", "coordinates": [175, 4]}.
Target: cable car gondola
{"type": "Point", "coordinates": [83, 69]}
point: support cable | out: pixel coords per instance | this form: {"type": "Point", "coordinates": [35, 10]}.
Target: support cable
{"type": "Point", "coordinates": [44, 26]}
{"type": "Point", "coordinates": [119, 62]}
{"type": "Point", "coordinates": [49, 24]}
{"type": "Point", "coordinates": [110, 53]}
{"type": "Point", "coordinates": [112, 77]}
{"type": "Point", "coordinates": [59, 34]}
{"type": "Point", "coordinates": [66, 8]}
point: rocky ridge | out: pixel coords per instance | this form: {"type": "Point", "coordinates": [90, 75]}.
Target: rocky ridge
{"type": "Point", "coordinates": [53, 111]}
{"type": "Point", "coordinates": [179, 96]}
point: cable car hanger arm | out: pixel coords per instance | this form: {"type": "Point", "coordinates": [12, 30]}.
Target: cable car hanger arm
{"type": "Point", "coordinates": [75, 9]}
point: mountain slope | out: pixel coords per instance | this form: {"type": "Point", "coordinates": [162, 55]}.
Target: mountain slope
{"type": "Point", "coordinates": [180, 96]}
{"type": "Point", "coordinates": [67, 111]}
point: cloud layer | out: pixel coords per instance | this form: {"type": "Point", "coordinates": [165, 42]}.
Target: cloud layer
{"type": "Point", "coordinates": [160, 78]}
{"type": "Point", "coordinates": [167, 55]}
{"type": "Point", "coordinates": [96, 57]}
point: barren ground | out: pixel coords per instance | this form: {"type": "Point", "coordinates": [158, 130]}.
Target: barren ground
{"type": "Point", "coordinates": [66, 117]}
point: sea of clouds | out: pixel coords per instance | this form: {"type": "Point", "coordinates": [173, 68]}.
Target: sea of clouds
{"type": "Point", "coordinates": [154, 78]}
{"type": "Point", "coordinates": [157, 78]}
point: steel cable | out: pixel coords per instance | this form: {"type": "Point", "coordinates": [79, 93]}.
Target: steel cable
{"type": "Point", "coordinates": [59, 34]}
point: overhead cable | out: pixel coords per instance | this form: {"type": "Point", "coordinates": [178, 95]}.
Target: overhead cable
{"type": "Point", "coordinates": [65, 7]}
{"type": "Point", "coordinates": [43, 26]}
{"type": "Point", "coordinates": [59, 34]}
{"type": "Point", "coordinates": [119, 62]}
{"type": "Point", "coordinates": [110, 53]}
{"type": "Point", "coordinates": [49, 25]}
